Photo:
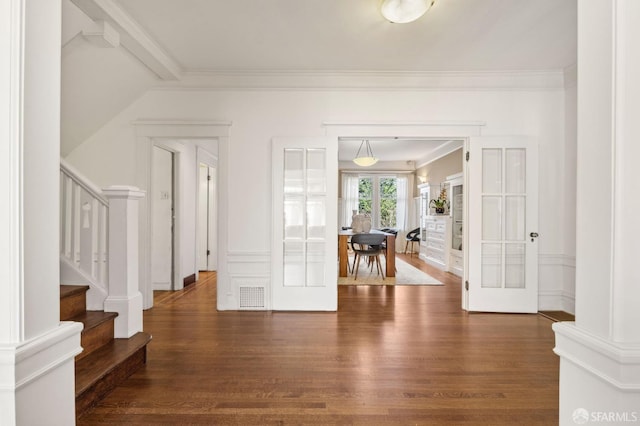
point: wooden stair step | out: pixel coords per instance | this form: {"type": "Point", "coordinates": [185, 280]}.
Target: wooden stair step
{"type": "Point", "coordinates": [97, 331]}
{"type": "Point", "coordinates": [100, 372]}
{"type": "Point", "coordinates": [73, 301]}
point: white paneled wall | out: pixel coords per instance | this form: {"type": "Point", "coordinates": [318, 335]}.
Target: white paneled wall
{"type": "Point", "coordinates": [258, 115]}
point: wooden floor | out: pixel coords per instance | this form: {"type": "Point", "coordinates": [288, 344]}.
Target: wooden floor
{"type": "Point", "coordinates": [396, 355]}
{"type": "Point", "coordinates": [556, 316]}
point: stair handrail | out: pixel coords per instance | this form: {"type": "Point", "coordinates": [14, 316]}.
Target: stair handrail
{"type": "Point", "coordinates": [99, 246]}
{"type": "Point", "coordinates": [83, 181]}
{"type": "Point", "coordinates": [84, 257]}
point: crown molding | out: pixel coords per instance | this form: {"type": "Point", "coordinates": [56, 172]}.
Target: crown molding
{"type": "Point", "coordinates": [367, 80]}
{"type": "Point", "coordinates": [441, 151]}
{"type": "Point", "coordinates": [132, 37]}
{"type": "Point", "coordinates": [432, 123]}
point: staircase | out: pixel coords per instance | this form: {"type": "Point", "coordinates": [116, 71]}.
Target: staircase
{"type": "Point", "coordinates": [105, 362]}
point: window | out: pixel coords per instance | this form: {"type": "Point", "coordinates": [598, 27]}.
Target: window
{"type": "Point", "coordinates": [365, 195]}
{"type": "Point", "coordinates": [387, 198]}
{"type": "Point", "coordinates": [378, 196]}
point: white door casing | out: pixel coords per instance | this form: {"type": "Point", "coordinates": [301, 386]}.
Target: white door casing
{"type": "Point", "coordinates": [305, 224]}
{"type": "Point", "coordinates": [502, 182]}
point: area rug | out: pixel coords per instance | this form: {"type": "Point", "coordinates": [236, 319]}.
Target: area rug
{"type": "Point", "coordinates": [405, 275]}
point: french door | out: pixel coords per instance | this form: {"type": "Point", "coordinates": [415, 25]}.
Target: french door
{"type": "Point", "coordinates": [502, 177]}
{"type": "Point", "coordinates": [305, 224]}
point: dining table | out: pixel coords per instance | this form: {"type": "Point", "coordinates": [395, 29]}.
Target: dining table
{"type": "Point", "coordinates": [343, 251]}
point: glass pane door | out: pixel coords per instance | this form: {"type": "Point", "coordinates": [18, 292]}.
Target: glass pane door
{"type": "Point", "coordinates": [305, 224]}
{"type": "Point", "coordinates": [304, 218]}
{"type": "Point", "coordinates": [503, 235]}
{"type": "Point", "coordinates": [502, 212]}
{"type": "Point", "coordinates": [457, 201]}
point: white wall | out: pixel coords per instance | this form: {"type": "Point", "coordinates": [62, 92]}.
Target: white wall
{"type": "Point", "coordinates": [570, 183]}
{"type": "Point", "coordinates": [557, 270]}
{"type": "Point", "coordinates": [90, 72]}
{"type": "Point", "coordinates": [259, 115]}
{"type": "Point", "coordinates": [436, 173]}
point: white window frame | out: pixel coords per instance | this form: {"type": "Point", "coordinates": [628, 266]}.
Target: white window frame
{"type": "Point", "coordinates": [375, 201]}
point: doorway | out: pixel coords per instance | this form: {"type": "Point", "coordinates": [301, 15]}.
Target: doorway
{"type": "Point", "coordinates": [189, 140]}
{"type": "Point", "coordinates": [162, 218]}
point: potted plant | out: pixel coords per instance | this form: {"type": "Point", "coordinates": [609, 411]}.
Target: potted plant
{"type": "Point", "coordinates": [439, 204]}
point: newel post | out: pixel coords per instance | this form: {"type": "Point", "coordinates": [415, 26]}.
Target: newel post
{"type": "Point", "coordinates": [124, 295]}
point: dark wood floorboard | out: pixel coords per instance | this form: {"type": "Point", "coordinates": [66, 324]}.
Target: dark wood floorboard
{"type": "Point", "coordinates": [394, 355]}
{"type": "Point", "coordinates": [556, 316]}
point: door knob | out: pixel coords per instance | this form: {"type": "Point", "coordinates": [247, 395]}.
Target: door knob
{"type": "Point", "coordinates": [533, 235]}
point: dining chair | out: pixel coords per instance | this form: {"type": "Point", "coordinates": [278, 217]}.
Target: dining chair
{"type": "Point", "coordinates": [384, 243]}
{"type": "Point", "coordinates": [412, 237]}
{"type": "Point", "coordinates": [370, 247]}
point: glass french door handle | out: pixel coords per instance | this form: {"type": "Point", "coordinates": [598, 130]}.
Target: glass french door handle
{"type": "Point", "coordinates": [533, 235]}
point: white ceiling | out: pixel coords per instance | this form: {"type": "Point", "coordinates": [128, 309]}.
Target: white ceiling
{"type": "Point", "coordinates": [317, 36]}
{"type": "Point", "coordinates": [351, 35]}
{"type": "Point", "coordinates": [392, 149]}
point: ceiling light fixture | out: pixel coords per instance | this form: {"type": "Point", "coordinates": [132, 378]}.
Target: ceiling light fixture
{"type": "Point", "coordinates": [366, 159]}
{"type": "Point", "coordinates": [403, 11]}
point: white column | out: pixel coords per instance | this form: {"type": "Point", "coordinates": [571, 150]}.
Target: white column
{"type": "Point", "coordinates": [600, 352]}
{"type": "Point", "coordinates": [124, 295]}
{"type": "Point", "coordinates": [36, 350]}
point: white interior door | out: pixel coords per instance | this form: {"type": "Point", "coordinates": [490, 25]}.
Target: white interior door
{"type": "Point", "coordinates": [212, 207]}
{"type": "Point", "coordinates": [203, 217]}
{"type": "Point", "coordinates": [502, 177]}
{"type": "Point", "coordinates": [207, 218]}
{"type": "Point", "coordinates": [305, 224]}
{"type": "Point", "coordinates": [162, 219]}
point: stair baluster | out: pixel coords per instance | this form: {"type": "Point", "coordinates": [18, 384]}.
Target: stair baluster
{"type": "Point", "coordinates": [84, 215]}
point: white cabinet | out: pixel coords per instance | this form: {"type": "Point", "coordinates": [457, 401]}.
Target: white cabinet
{"type": "Point", "coordinates": [442, 235]}
{"type": "Point", "coordinates": [456, 258]}
{"type": "Point", "coordinates": [434, 247]}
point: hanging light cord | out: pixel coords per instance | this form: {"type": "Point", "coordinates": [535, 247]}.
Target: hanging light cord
{"type": "Point", "coordinates": [368, 149]}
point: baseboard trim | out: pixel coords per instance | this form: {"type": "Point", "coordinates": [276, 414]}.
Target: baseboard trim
{"type": "Point", "coordinates": [615, 363]}
{"type": "Point", "coordinates": [189, 280]}
{"type": "Point", "coordinates": [166, 286]}
{"type": "Point", "coordinates": [29, 361]}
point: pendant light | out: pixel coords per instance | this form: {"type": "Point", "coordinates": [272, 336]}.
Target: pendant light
{"type": "Point", "coordinates": [367, 158]}
{"type": "Point", "coordinates": [404, 11]}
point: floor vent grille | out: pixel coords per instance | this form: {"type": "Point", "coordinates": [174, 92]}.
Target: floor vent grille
{"type": "Point", "coordinates": [251, 297]}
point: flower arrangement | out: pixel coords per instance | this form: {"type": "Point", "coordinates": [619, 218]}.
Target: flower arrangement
{"type": "Point", "coordinates": [441, 203]}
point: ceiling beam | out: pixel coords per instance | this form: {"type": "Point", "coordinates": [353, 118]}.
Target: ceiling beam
{"type": "Point", "coordinates": [132, 37]}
